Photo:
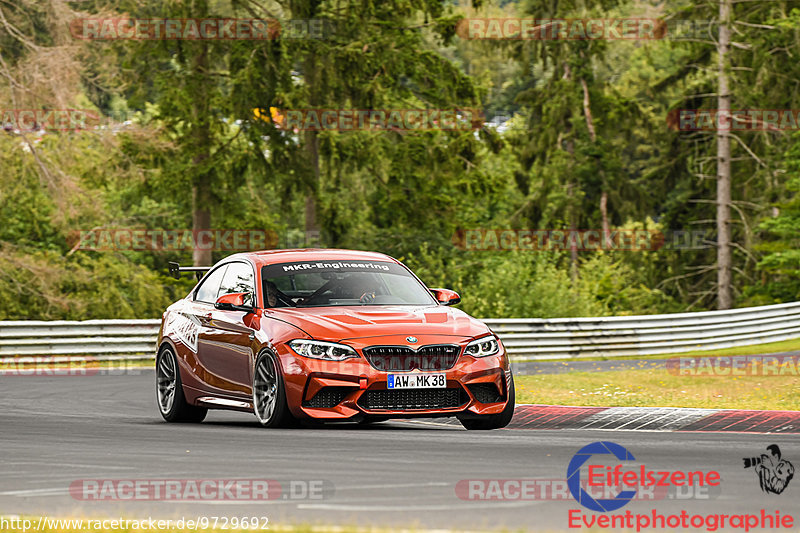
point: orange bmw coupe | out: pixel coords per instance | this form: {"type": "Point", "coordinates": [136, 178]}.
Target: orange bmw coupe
{"type": "Point", "coordinates": [329, 335]}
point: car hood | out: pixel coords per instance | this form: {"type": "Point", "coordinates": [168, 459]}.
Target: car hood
{"type": "Point", "coordinates": [354, 322]}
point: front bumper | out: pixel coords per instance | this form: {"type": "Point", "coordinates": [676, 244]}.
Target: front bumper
{"type": "Point", "coordinates": [353, 388]}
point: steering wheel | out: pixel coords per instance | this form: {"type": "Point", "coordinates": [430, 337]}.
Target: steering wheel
{"type": "Point", "coordinates": [367, 297]}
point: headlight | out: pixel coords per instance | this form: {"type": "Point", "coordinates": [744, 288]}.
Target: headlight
{"type": "Point", "coordinates": [329, 351]}
{"type": "Point", "coordinates": [483, 347]}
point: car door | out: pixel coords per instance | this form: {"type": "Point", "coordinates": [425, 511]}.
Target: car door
{"type": "Point", "coordinates": [224, 341]}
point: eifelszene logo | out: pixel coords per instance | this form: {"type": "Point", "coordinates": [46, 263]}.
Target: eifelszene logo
{"type": "Point", "coordinates": [626, 479]}
{"type": "Point", "coordinates": [774, 473]}
{"type": "Point", "coordinates": [574, 477]}
{"type": "Point", "coordinates": [603, 477]}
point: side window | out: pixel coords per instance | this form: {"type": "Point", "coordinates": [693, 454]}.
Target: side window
{"type": "Point", "coordinates": [238, 278]}
{"type": "Point", "coordinates": [208, 290]}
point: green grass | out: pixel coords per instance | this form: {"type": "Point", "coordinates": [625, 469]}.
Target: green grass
{"type": "Point", "coordinates": [658, 388]}
{"type": "Point", "coordinates": [755, 349]}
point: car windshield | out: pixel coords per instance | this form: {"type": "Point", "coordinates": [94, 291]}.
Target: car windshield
{"type": "Point", "coordinates": [336, 283]}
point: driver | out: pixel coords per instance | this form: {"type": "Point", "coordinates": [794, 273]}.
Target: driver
{"type": "Point", "coordinates": [273, 295]}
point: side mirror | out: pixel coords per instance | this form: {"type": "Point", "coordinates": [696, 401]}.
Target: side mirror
{"type": "Point", "coordinates": [234, 302]}
{"type": "Point", "coordinates": [446, 296]}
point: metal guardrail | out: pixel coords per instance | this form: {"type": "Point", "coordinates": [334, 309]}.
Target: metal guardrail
{"type": "Point", "coordinates": [529, 339]}
{"type": "Point", "coordinates": [524, 338]}
{"type": "Point", "coordinates": [88, 337]}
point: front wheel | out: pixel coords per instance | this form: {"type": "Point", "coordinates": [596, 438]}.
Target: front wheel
{"type": "Point", "coordinates": [172, 402]}
{"type": "Point", "coordinates": [500, 420]}
{"type": "Point", "coordinates": [269, 393]}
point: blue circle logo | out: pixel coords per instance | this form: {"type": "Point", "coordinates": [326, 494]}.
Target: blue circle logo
{"type": "Point", "coordinates": [574, 477]}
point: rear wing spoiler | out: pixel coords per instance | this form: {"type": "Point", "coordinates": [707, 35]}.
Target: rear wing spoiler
{"type": "Point", "coordinates": [175, 270]}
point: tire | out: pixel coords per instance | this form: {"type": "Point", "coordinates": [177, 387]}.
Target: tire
{"type": "Point", "coordinates": [269, 394]}
{"type": "Point", "coordinates": [500, 420]}
{"type": "Point", "coordinates": [171, 400]}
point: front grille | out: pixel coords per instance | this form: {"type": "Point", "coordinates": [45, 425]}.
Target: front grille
{"type": "Point", "coordinates": [328, 397]}
{"type": "Point", "coordinates": [410, 399]}
{"type": "Point", "coordinates": [404, 358]}
{"type": "Point", "coordinates": [485, 392]}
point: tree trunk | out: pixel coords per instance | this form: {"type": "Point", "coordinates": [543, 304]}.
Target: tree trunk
{"type": "Point", "coordinates": [724, 266]}
{"type": "Point", "coordinates": [312, 147]}
{"type": "Point", "coordinates": [587, 111]}
{"type": "Point", "coordinates": [201, 218]}
{"type": "Point", "coordinates": [573, 226]}
{"type": "Point", "coordinates": [604, 217]}
{"type": "Point", "coordinates": [201, 186]}
{"type": "Point", "coordinates": [572, 214]}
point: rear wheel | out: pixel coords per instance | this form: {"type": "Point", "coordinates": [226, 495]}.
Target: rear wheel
{"type": "Point", "coordinates": [500, 420]}
{"type": "Point", "coordinates": [172, 402]}
{"type": "Point", "coordinates": [269, 393]}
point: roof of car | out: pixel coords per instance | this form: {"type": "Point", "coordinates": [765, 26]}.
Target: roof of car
{"type": "Point", "coordinates": [267, 257]}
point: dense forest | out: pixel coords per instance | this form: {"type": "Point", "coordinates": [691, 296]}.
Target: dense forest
{"type": "Point", "coordinates": [574, 133]}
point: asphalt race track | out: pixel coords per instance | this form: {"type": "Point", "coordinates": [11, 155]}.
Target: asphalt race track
{"type": "Point", "coordinates": [57, 430]}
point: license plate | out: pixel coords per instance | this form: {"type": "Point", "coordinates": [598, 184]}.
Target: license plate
{"type": "Point", "coordinates": [417, 381]}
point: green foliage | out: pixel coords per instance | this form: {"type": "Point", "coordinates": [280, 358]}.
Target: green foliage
{"type": "Point", "coordinates": [191, 127]}
{"type": "Point", "coordinates": [537, 284]}
{"type": "Point", "coordinates": [49, 286]}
